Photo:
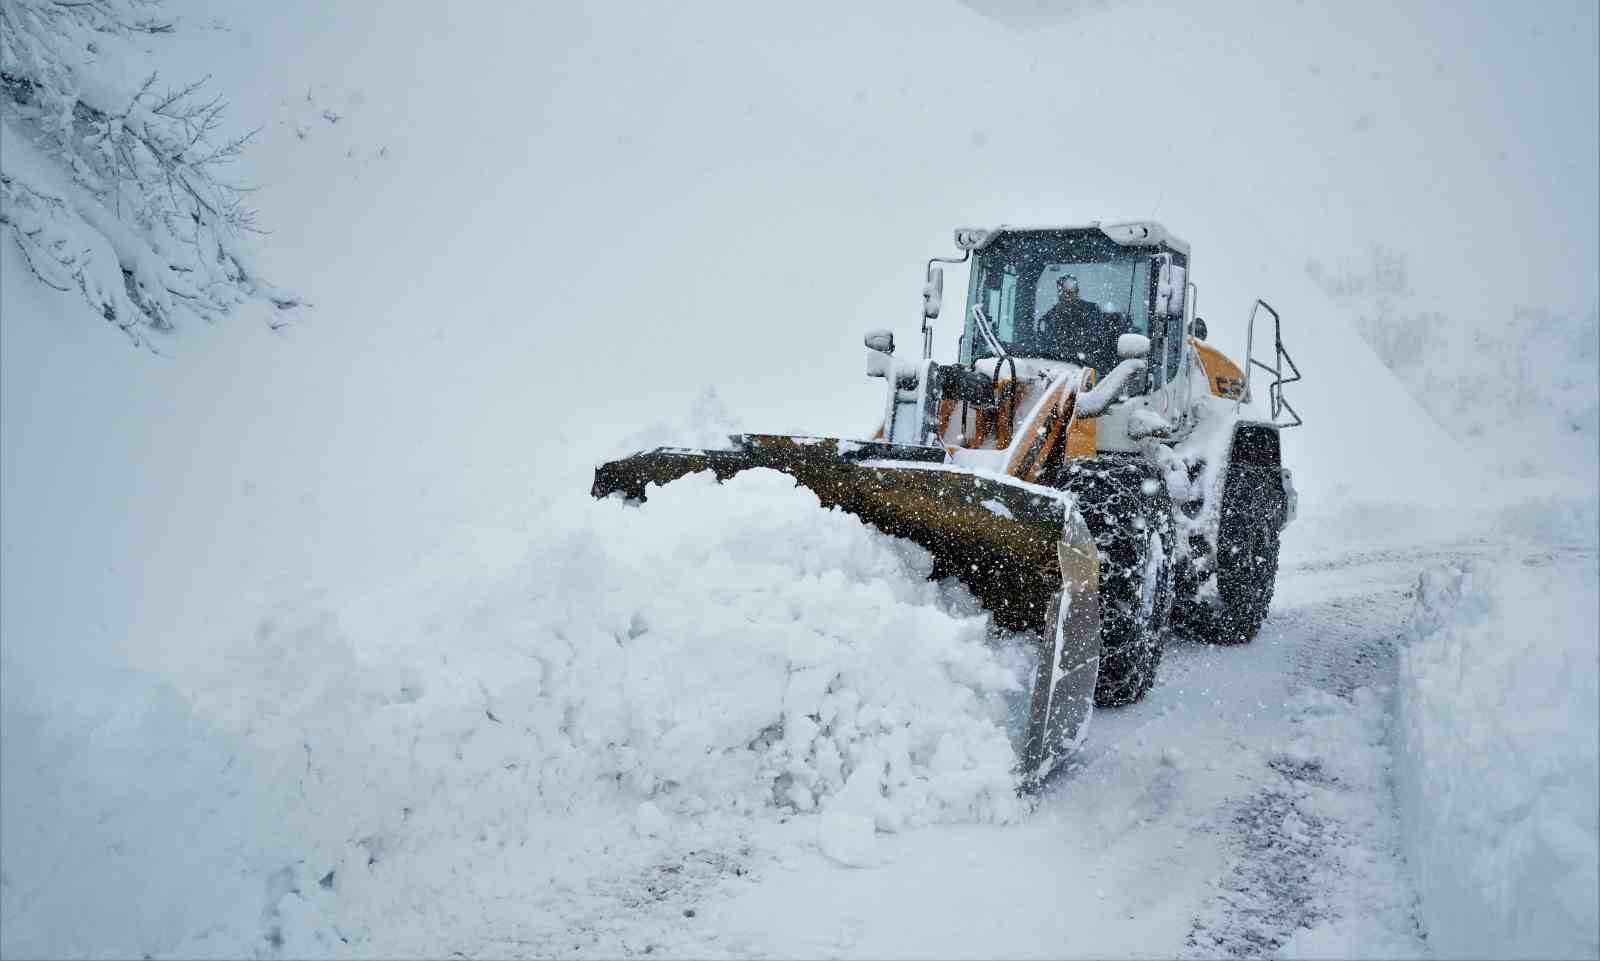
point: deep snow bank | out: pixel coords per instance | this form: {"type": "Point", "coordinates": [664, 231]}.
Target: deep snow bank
{"type": "Point", "coordinates": [340, 776]}
{"type": "Point", "coordinates": [1497, 756]}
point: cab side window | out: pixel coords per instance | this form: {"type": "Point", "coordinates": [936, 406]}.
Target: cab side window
{"type": "Point", "coordinates": [1000, 304]}
{"type": "Point", "coordinates": [1139, 322]}
{"type": "Point", "coordinates": [1005, 313]}
{"type": "Point", "coordinates": [1174, 352]}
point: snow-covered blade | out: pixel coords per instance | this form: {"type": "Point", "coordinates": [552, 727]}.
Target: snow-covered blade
{"type": "Point", "coordinates": [1063, 692]}
{"type": "Point", "coordinates": [1015, 545]}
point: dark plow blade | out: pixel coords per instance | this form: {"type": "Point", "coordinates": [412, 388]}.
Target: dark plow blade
{"type": "Point", "coordinates": [1001, 538]}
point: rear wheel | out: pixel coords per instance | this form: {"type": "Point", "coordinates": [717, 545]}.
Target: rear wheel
{"type": "Point", "coordinates": [1247, 559]}
{"type": "Point", "coordinates": [1245, 562]}
{"type": "Point", "coordinates": [1129, 514]}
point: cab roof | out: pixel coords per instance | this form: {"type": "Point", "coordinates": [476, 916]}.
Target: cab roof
{"type": "Point", "coordinates": [1137, 233]}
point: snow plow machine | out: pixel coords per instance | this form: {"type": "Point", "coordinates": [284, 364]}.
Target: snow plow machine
{"type": "Point", "coordinates": [1088, 466]}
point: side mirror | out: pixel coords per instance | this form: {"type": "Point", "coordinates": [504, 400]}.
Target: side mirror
{"type": "Point", "coordinates": [1199, 329]}
{"type": "Point", "coordinates": [1133, 346]}
{"type": "Point", "coordinates": [933, 293]}
{"type": "Point", "coordinates": [880, 348]}
{"type": "Point", "coordinates": [972, 238]}
{"type": "Point", "coordinates": [1170, 287]}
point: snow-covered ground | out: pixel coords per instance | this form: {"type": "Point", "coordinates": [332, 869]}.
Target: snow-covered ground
{"type": "Point", "coordinates": [729, 724]}
{"type": "Point", "coordinates": [313, 644]}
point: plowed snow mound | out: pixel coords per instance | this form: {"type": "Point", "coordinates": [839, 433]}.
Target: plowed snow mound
{"type": "Point", "coordinates": [728, 645]}
{"type": "Point", "coordinates": [722, 651]}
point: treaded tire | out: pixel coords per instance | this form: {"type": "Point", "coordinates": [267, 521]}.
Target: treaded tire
{"type": "Point", "coordinates": [1136, 585]}
{"type": "Point", "coordinates": [1247, 558]}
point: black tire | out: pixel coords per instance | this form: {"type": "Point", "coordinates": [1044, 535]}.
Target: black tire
{"type": "Point", "coordinates": [1130, 516]}
{"type": "Point", "coordinates": [1247, 556]}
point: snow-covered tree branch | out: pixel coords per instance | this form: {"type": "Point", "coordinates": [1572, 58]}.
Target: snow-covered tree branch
{"type": "Point", "coordinates": [119, 194]}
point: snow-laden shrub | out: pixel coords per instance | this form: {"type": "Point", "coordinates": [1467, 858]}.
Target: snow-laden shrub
{"type": "Point", "coordinates": [118, 190]}
{"type": "Point", "coordinates": [1498, 758]}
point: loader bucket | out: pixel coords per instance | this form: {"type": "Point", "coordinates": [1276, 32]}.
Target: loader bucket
{"type": "Point", "coordinates": [1009, 542]}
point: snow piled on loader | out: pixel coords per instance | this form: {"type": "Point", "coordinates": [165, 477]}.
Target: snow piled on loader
{"type": "Point", "coordinates": [618, 707]}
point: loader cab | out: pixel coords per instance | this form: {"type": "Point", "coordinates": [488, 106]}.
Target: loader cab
{"type": "Point", "coordinates": [1022, 279]}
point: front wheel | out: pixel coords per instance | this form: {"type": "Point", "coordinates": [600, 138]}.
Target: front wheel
{"type": "Point", "coordinates": [1128, 511]}
{"type": "Point", "coordinates": [1136, 635]}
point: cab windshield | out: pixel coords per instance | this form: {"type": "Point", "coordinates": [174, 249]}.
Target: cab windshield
{"type": "Point", "coordinates": [1025, 283]}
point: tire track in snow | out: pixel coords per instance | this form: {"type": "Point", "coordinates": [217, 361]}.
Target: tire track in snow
{"type": "Point", "coordinates": [1270, 893]}
{"type": "Point", "coordinates": [1315, 847]}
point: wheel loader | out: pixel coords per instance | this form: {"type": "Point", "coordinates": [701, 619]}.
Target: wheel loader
{"type": "Point", "coordinates": [1089, 467]}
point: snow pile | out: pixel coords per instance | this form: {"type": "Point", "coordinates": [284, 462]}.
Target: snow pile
{"type": "Point", "coordinates": [1193, 472]}
{"type": "Point", "coordinates": [1497, 757]}
{"type": "Point", "coordinates": [352, 775]}
{"type": "Point", "coordinates": [734, 644]}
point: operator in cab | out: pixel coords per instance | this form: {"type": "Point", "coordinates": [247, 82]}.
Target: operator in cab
{"type": "Point", "coordinates": [1077, 329]}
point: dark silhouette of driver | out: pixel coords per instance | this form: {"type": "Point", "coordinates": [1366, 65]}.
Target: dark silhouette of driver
{"type": "Point", "coordinates": [1078, 330]}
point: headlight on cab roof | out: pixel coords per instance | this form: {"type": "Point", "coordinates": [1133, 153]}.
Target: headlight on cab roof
{"type": "Point", "coordinates": [973, 238]}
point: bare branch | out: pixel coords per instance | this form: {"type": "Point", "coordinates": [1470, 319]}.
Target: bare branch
{"type": "Point", "coordinates": [144, 88]}
{"type": "Point", "coordinates": [175, 96]}
{"type": "Point", "coordinates": [27, 256]}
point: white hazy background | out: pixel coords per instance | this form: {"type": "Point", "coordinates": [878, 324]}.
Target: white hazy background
{"type": "Point", "coordinates": [532, 233]}
{"type": "Point", "coordinates": [535, 229]}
